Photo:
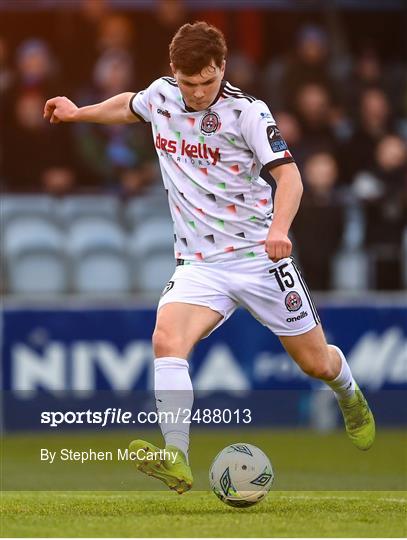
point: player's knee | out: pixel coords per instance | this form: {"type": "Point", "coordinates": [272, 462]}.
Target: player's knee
{"type": "Point", "coordinates": [319, 370]}
{"type": "Point", "coordinates": [317, 366]}
{"type": "Point", "coordinates": [166, 343]}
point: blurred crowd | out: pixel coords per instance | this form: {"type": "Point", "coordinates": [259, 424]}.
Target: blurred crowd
{"type": "Point", "coordinates": [343, 114]}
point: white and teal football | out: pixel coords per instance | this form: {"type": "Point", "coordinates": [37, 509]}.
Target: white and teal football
{"type": "Point", "coordinates": [241, 475]}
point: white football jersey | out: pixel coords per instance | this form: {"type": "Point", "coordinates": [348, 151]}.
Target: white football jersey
{"type": "Point", "coordinates": [210, 163]}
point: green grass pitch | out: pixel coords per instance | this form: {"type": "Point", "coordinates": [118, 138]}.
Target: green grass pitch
{"type": "Point", "coordinates": [200, 514]}
{"type": "Point", "coordinates": [323, 488]}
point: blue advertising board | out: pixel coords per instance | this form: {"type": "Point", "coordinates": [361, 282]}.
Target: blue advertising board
{"type": "Point", "coordinates": [82, 351]}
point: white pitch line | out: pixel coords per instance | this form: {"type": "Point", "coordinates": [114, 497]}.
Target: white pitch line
{"type": "Point", "coordinates": [277, 496]}
{"type": "Point", "coordinates": [338, 498]}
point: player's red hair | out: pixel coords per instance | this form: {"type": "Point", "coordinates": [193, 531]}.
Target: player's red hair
{"type": "Point", "coordinates": [195, 46]}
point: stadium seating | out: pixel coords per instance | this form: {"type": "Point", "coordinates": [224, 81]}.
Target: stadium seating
{"type": "Point", "coordinates": [78, 206]}
{"type": "Point", "coordinates": [35, 258]}
{"type": "Point", "coordinates": [350, 266]}
{"type": "Point", "coordinates": [152, 252]}
{"type": "Point", "coordinates": [350, 271]}
{"type": "Point", "coordinates": [97, 247]}
{"type": "Point", "coordinates": [140, 209]}
{"type": "Point", "coordinates": [17, 206]}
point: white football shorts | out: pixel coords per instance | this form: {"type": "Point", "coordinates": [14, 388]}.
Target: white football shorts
{"type": "Point", "coordinates": [274, 293]}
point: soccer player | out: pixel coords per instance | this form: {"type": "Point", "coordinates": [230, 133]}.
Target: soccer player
{"type": "Point", "coordinates": [231, 240]}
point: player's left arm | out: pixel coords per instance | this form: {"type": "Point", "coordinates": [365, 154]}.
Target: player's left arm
{"type": "Point", "coordinates": [286, 203]}
{"type": "Point", "coordinates": [263, 138]}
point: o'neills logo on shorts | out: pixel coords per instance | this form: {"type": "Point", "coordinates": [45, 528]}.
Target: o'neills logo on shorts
{"type": "Point", "coordinates": [298, 317]}
{"type": "Point", "coordinates": [199, 150]}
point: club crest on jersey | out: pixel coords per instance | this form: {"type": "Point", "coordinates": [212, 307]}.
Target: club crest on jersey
{"type": "Point", "coordinates": [293, 301]}
{"type": "Point", "coordinates": [210, 123]}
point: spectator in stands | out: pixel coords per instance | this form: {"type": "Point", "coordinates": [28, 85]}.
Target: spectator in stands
{"type": "Point", "coordinates": [88, 34]}
{"type": "Point", "coordinates": [290, 128]}
{"type": "Point", "coordinates": [308, 64]}
{"type": "Point", "coordinates": [116, 33]}
{"type": "Point", "coordinates": [114, 157]}
{"type": "Point", "coordinates": [77, 37]}
{"type": "Point", "coordinates": [314, 111]}
{"type": "Point", "coordinates": [242, 72]}
{"type": "Point", "coordinates": [112, 72]}
{"type": "Point", "coordinates": [384, 195]}
{"type": "Point", "coordinates": [166, 17]}
{"type": "Point", "coordinates": [291, 131]}
{"type": "Point", "coordinates": [374, 121]}
{"type": "Point", "coordinates": [36, 68]}
{"type": "Point", "coordinates": [369, 71]}
{"type": "Point", "coordinates": [6, 72]}
{"type": "Point", "coordinates": [37, 157]}
{"type": "Point", "coordinates": [319, 224]}
{"type": "Point", "coordinates": [6, 81]}
{"type": "Point", "coordinates": [36, 73]}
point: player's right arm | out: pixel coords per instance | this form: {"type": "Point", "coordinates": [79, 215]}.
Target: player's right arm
{"type": "Point", "coordinates": [115, 110]}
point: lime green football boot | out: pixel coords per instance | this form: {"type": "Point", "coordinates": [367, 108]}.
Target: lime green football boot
{"type": "Point", "coordinates": [173, 470]}
{"type": "Point", "coordinates": [359, 420]}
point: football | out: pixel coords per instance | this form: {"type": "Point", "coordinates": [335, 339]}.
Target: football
{"type": "Point", "coordinates": [241, 475]}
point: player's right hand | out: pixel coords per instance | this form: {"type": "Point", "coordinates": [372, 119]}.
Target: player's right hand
{"type": "Point", "coordinates": [60, 109]}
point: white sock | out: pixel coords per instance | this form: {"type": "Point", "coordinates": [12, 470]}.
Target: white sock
{"type": "Point", "coordinates": [344, 384]}
{"type": "Point", "coordinates": [174, 394]}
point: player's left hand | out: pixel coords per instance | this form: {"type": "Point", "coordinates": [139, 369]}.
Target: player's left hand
{"type": "Point", "coordinates": [278, 245]}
